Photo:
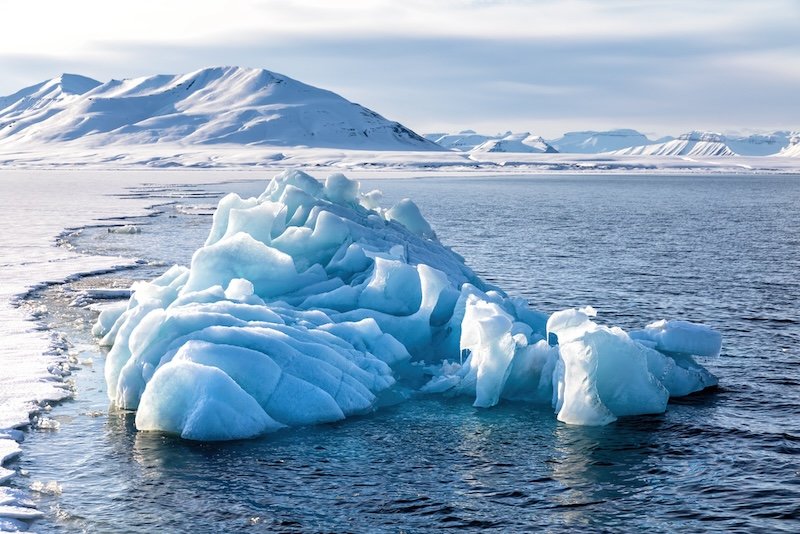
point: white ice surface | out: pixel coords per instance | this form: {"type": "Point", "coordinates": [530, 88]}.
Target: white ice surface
{"type": "Point", "coordinates": [37, 207]}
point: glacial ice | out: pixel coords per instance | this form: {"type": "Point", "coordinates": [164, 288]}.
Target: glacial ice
{"type": "Point", "coordinates": [310, 303]}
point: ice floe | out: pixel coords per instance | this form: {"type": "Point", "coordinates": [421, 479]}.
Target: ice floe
{"type": "Point", "coordinates": [311, 303]}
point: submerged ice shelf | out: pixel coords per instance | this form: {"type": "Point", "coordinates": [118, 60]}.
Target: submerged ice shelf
{"type": "Point", "coordinates": [312, 303]}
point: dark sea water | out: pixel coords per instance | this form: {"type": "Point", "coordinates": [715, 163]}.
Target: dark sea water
{"type": "Point", "coordinates": [723, 250]}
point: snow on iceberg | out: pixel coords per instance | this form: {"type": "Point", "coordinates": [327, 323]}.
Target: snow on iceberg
{"type": "Point", "coordinates": [311, 303]}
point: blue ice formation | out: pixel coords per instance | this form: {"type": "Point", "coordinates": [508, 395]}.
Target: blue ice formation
{"type": "Point", "coordinates": [312, 303]}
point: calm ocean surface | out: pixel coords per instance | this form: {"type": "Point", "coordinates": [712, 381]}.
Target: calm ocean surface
{"type": "Point", "coordinates": [723, 250]}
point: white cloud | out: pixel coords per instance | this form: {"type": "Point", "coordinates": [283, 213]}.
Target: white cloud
{"type": "Point", "coordinates": [514, 64]}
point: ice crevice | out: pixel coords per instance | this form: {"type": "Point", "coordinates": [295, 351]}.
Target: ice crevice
{"type": "Point", "coordinates": [311, 303]}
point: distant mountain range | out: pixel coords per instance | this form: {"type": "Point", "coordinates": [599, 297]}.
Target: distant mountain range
{"type": "Point", "coordinates": [215, 105]}
{"type": "Point", "coordinates": [237, 106]}
{"type": "Point", "coordinates": [793, 150]}
{"type": "Point", "coordinates": [518, 143]}
{"type": "Point", "coordinates": [591, 142]}
{"type": "Point", "coordinates": [689, 144]}
{"type": "Point", "coordinates": [625, 142]}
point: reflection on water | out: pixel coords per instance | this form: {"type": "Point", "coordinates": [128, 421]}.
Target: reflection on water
{"type": "Point", "coordinates": [638, 248]}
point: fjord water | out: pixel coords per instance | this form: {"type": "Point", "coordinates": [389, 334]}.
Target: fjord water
{"type": "Point", "coordinates": [722, 250]}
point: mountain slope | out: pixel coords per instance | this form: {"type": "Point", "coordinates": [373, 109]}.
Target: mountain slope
{"type": "Point", "coordinates": [39, 102]}
{"type": "Point", "coordinates": [592, 142]}
{"type": "Point", "coordinates": [464, 141]}
{"type": "Point", "coordinates": [759, 144]}
{"type": "Point", "coordinates": [793, 150]}
{"type": "Point", "coordinates": [518, 143]}
{"type": "Point", "coordinates": [700, 144]}
{"type": "Point", "coordinates": [214, 105]}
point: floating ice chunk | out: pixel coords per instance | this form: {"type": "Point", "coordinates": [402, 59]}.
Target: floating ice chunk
{"type": "Point", "coordinates": [126, 229]}
{"type": "Point", "coordinates": [200, 402]}
{"type": "Point", "coordinates": [14, 496]}
{"type": "Point", "coordinates": [681, 337]}
{"type": "Point", "coordinates": [679, 373]}
{"type": "Point", "coordinates": [6, 474]}
{"type": "Point", "coordinates": [51, 487]}
{"type": "Point", "coordinates": [486, 333]}
{"type": "Point", "coordinates": [108, 316]}
{"type": "Point", "coordinates": [19, 512]}
{"type": "Point", "coordinates": [506, 358]}
{"type": "Point", "coordinates": [15, 508]}
{"type": "Point", "coordinates": [9, 449]}
{"type": "Point", "coordinates": [12, 525]}
{"type": "Point", "coordinates": [602, 373]}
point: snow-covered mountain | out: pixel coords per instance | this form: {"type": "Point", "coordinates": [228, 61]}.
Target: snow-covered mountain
{"type": "Point", "coordinates": [214, 105]}
{"type": "Point", "coordinates": [463, 141]}
{"type": "Point", "coordinates": [469, 141]}
{"type": "Point", "coordinates": [516, 142]}
{"type": "Point", "coordinates": [593, 142]}
{"type": "Point", "coordinates": [759, 144]}
{"type": "Point", "coordinates": [39, 102]}
{"type": "Point", "coordinates": [793, 149]}
{"type": "Point", "coordinates": [689, 144]}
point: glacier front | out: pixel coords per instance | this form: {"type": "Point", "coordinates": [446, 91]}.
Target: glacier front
{"type": "Point", "coordinates": [311, 303]}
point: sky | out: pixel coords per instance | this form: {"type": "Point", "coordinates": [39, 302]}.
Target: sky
{"type": "Point", "coordinates": [544, 66]}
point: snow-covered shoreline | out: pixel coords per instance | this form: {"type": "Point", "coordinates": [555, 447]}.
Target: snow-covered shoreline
{"type": "Point", "coordinates": [37, 208]}
{"type": "Point", "coordinates": [74, 156]}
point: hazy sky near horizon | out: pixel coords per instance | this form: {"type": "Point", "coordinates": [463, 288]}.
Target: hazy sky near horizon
{"type": "Point", "coordinates": [544, 66]}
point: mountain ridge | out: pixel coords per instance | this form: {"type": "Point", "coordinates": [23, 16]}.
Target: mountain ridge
{"type": "Point", "coordinates": [213, 105]}
{"type": "Point", "coordinates": [694, 143]}
{"type": "Point", "coordinates": [524, 142]}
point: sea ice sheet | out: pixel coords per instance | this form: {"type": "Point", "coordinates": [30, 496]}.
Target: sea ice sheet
{"type": "Point", "coordinates": [308, 303]}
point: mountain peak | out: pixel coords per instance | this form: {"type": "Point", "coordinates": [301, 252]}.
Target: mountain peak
{"type": "Point", "coordinates": [522, 142]}
{"type": "Point", "coordinates": [212, 105]}
{"type": "Point", "coordinates": [74, 84]}
{"type": "Point", "coordinates": [709, 137]}
{"type": "Point", "coordinates": [591, 141]}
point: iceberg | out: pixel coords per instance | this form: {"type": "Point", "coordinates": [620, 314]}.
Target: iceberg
{"type": "Point", "coordinates": [311, 303]}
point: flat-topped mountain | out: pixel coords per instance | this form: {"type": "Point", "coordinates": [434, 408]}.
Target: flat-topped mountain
{"type": "Point", "coordinates": [214, 105]}
{"type": "Point", "coordinates": [594, 142]}
{"type": "Point", "coordinates": [688, 144]}
{"type": "Point", "coordinates": [759, 144]}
